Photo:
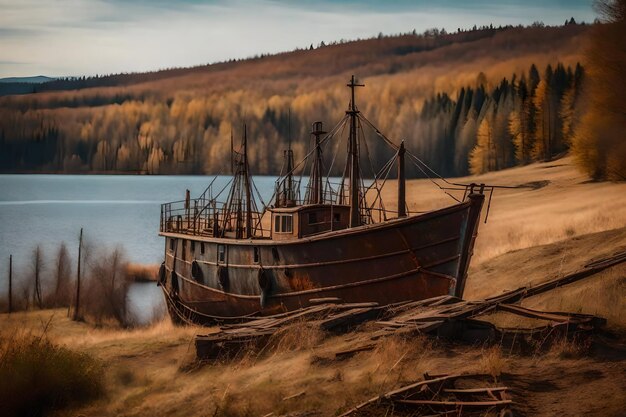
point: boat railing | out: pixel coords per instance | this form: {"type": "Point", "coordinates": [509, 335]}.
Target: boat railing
{"type": "Point", "coordinates": [202, 217]}
{"type": "Point", "coordinates": [287, 192]}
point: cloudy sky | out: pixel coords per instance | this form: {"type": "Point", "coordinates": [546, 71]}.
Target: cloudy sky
{"type": "Point", "coordinates": [86, 37]}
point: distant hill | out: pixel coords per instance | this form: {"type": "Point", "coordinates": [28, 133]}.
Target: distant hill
{"type": "Point", "coordinates": [432, 89]}
{"type": "Point", "coordinates": [22, 85]}
{"type": "Point", "coordinates": [38, 79]}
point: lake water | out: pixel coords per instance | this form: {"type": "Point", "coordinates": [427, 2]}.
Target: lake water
{"type": "Point", "coordinates": [112, 210]}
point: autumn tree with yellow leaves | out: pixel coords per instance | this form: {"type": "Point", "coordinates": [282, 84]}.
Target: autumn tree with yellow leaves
{"type": "Point", "coordinates": [598, 143]}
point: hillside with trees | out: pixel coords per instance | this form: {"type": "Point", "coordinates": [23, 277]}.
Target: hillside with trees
{"type": "Point", "coordinates": [465, 102]}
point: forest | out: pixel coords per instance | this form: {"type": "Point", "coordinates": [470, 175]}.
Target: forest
{"type": "Point", "coordinates": [466, 102]}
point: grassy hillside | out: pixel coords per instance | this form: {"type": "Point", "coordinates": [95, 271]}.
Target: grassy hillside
{"type": "Point", "coordinates": [180, 121]}
{"type": "Point", "coordinates": [151, 371]}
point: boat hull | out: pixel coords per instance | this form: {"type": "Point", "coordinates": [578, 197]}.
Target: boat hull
{"type": "Point", "coordinates": [209, 280]}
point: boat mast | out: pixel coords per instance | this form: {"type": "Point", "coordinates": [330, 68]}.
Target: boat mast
{"type": "Point", "coordinates": [286, 194]}
{"type": "Point", "coordinates": [315, 181]}
{"type": "Point", "coordinates": [232, 153]}
{"type": "Point", "coordinates": [247, 183]}
{"type": "Point", "coordinates": [288, 187]}
{"type": "Point", "coordinates": [401, 182]}
{"type": "Point", "coordinates": [353, 151]}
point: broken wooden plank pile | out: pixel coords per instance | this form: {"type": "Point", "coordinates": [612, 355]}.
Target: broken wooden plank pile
{"type": "Point", "coordinates": [443, 316]}
{"type": "Point", "coordinates": [254, 333]}
{"type": "Point", "coordinates": [459, 320]}
{"type": "Point", "coordinates": [460, 394]}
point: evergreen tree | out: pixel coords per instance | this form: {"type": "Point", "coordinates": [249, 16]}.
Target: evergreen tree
{"type": "Point", "coordinates": [482, 156]}
{"type": "Point", "coordinates": [541, 102]}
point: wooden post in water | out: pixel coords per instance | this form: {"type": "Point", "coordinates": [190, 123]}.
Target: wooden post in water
{"type": "Point", "coordinates": [77, 304]}
{"type": "Point", "coordinates": [10, 283]}
{"type": "Point", "coordinates": [401, 182]}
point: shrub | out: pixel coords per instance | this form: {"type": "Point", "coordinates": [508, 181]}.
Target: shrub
{"type": "Point", "coordinates": [37, 376]}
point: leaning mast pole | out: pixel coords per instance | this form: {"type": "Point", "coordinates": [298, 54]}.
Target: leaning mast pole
{"type": "Point", "coordinates": [353, 149]}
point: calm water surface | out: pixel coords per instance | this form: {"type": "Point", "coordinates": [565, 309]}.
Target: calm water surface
{"type": "Point", "coordinates": [113, 210]}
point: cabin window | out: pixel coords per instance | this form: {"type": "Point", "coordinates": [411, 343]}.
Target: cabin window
{"type": "Point", "coordinates": [286, 224]}
{"type": "Point", "coordinates": [283, 223]}
{"type": "Point", "coordinates": [193, 247]}
{"type": "Point", "coordinates": [184, 250]}
{"type": "Point", "coordinates": [336, 216]}
{"type": "Point", "coordinates": [221, 253]}
{"type": "Point", "coordinates": [202, 248]}
{"type": "Point", "coordinates": [172, 245]}
{"type": "Point", "coordinates": [313, 217]}
{"type": "Point", "coordinates": [256, 255]}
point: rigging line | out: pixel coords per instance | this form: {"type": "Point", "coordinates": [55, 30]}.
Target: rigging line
{"type": "Point", "coordinates": [323, 141]}
{"type": "Point", "coordinates": [258, 193]}
{"type": "Point", "coordinates": [362, 200]}
{"type": "Point", "coordinates": [396, 147]}
{"type": "Point", "coordinates": [388, 166]}
{"type": "Point", "coordinates": [223, 188]}
{"type": "Point", "coordinates": [434, 182]}
{"type": "Point", "coordinates": [384, 181]}
{"type": "Point", "coordinates": [376, 175]}
{"type": "Point", "coordinates": [332, 164]}
{"type": "Point", "coordinates": [326, 138]}
{"type": "Point", "coordinates": [458, 184]}
{"type": "Point", "coordinates": [488, 205]}
{"type": "Point", "coordinates": [381, 171]}
{"type": "Point", "coordinates": [369, 158]}
{"type": "Point", "coordinates": [361, 176]}
{"type": "Point", "coordinates": [341, 185]}
{"type": "Point", "coordinates": [210, 185]}
{"type": "Point", "coordinates": [214, 199]}
{"type": "Point", "coordinates": [385, 169]}
{"type": "Point", "coordinates": [306, 162]}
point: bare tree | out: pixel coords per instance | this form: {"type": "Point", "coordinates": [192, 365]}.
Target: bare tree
{"type": "Point", "coordinates": [106, 287]}
{"type": "Point", "coordinates": [62, 273]}
{"type": "Point", "coordinates": [25, 295]}
{"type": "Point", "coordinates": [37, 269]}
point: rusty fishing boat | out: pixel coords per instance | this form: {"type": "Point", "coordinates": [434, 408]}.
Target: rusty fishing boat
{"type": "Point", "coordinates": [329, 240]}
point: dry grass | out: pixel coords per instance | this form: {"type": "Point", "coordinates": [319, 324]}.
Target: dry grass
{"type": "Point", "coordinates": [492, 362]}
{"type": "Point", "coordinates": [144, 374]}
{"type": "Point", "coordinates": [603, 295]}
{"type": "Point", "coordinates": [298, 336]}
{"type": "Point", "coordinates": [37, 376]}
{"type": "Point", "coordinates": [565, 348]}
